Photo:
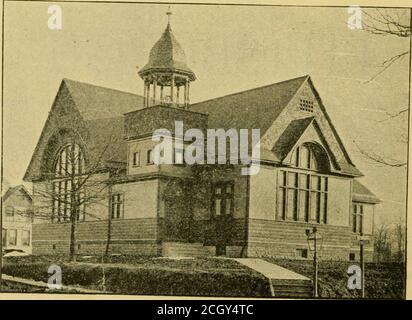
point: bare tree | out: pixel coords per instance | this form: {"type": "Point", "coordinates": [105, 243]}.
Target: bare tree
{"type": "Point", "coordinates": [76, 170]}
{"type": "Point", "coordinates": [388, 23]}
{"type": "Point", "coordinates": [382, 245]}
{"type": "Point", "coordinates": [399, 231]}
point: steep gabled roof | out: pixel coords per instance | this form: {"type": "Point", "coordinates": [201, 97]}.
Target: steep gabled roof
{"type": "Point", "coordinates": [98, 110]}
{"type": "Point", "coordinates": [102, 109]}
{"type": "Point", "coordinates": [95, 102]}
{"type": "Point", "coordinates": [360, 193]}
{"type": "Point", "coordinates": [250, 109]}
{"type": "Point", "coordinates": [290, 136]}
{"type": "Point", "coordinates": [12, 190]}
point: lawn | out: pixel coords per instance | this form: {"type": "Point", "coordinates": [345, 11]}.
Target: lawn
{"type": "Point", "coordinates": [382, 281]}
{"type": "Point", "coordinates": [203, 276]}
{"type": "Point", "coordinates": [148, 276]}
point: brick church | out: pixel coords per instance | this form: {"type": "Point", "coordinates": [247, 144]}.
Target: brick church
{"type": "Point", "coordinates": [94, 163]}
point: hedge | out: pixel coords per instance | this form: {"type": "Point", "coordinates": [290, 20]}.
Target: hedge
{"type": "Point", "coordinates": [149, 281]}
{"type": "Point", "coordinates": [382, 281]}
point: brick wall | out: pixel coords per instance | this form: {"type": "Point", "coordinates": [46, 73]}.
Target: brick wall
{"type": "Point", "coordinates": [285, 239]}
{"type": "Point", "coordinates": [206, 232]}
{"type": "Point", "coordinates": [129, 236]}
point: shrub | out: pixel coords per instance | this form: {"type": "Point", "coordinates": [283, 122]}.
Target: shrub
{"type": "Point", "coordinates": [151, 279]}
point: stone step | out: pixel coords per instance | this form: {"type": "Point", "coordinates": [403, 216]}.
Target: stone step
{"type": "Point", "coordinates": [292, 290]}
{"type": "Point", "coordinates": [284, 283]}
{"type": "Point", "coordinates": [293, 295]}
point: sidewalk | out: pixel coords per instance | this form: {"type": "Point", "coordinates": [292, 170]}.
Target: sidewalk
{"type": "Point", "coordinates": [270, 270]}
{"type": "Point", "coordinates": [282, 282]}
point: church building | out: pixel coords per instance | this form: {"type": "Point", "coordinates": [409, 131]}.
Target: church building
{"type": "Point", "coordinates": [94, 164]}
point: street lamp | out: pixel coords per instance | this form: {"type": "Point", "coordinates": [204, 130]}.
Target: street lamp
{"type": "Point", "coordinates": [315, 242]}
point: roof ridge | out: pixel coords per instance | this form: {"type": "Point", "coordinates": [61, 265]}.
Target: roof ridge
{"type": "Point", "coordinates": [65, 80]}
{"type": "Point", "coordinates": [252, 89]}
{"type": "Point", "coordinates": [10, 190]}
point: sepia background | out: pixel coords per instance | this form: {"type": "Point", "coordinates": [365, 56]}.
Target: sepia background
{"type": "Point", "coordinates": [231, 49]}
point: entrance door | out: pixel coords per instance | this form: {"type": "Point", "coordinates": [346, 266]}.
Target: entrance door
{"type": "Point", "coordinates": [223, 212]}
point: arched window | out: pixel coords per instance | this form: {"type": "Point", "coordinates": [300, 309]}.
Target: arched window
{"type": "Point", "coordinates": [68, 192]}
{"type": "Point", "coordinates": [70, 160]}
{"type": "Point", "coordinates": [303, 189]}
{"type": "Point", "coordinates": [311, 156]}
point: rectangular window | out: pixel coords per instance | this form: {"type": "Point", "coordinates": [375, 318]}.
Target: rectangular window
{"type": "Point", "coordinates": [25, 237]}
{"type": "Point", "coordinates": [302, 253]}
{"type": "Point", "coordinates": [357, 218]}
{"type": "Point", "coordinates": [12, 237]}
{"type": "Point", "coordinates": [223, 198]}
{"type": "Point", "coordinates": [9, 211]}
{"type": "Point", "coordinates": [306, 105]}
{"type": "Point", "coordinates": [116, 205]}
{"type": "Point", "coordinates": [292, 208]}
{"type": "Point", "coordinates": [303, 205]}
{"type": "Point", "coordinates": [150, 159]}
{"type": "Point", "coordinates": [136, 159]}
{"type": "Point", "coordinates": [281, 204]}
{"type": "Point", "coordinates": [302, 197]}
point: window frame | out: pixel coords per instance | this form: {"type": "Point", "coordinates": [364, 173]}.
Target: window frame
{"type": "Point", "coordinates": [223, 197]}
{"type": "Point", "coordinates": [150, 157]}
{"type": "Point", "coordinates": [61, 184]}
{"type": "Point", "coordinates": [9, 212]}
{"type": "Point", "coordinates": [22, 238]}
{"type": "Point", "coordinates": [357, 218]}
{"type": "Point", "coordinates": [9, 237]}
{"type": "Point", "coordinates": [117, 203]}
{"type": "Point", "coordinates": [320, 193]}
{"type": "Point", "coordinates": [302, 253]}
{"type": "Point", "coordinates": [136, 159]}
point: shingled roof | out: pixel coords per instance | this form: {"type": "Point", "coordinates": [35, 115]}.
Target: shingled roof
{"type": "Point", "coordinates": [255, 108]}
{"type": "Point", "coordinates": [95, 102]}
{"type": "Point", "coordinates": [167, 56]}
{"type": "Point", "coordinates": [291, 136]}
{"type": "Point", "coordinates": [12, 190]}
{"type": "Point", "coordinates": [360, 193]}
{"type": "Point", "coordinates": [102, 110]}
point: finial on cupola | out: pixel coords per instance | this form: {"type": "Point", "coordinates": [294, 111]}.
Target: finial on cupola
{"type": "Point", "coordinates": [168, 13]}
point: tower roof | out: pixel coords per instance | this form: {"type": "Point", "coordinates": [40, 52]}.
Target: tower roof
{"type": "Point", "coordinates": [167, 56]}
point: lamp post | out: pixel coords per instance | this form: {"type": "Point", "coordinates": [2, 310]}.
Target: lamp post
{"type": "Point", "coordinates": [315, 242]}
{"type": "Point", "coordinates": [363, 240]}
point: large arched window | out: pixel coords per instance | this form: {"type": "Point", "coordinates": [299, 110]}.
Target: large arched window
{"type": "Point", "coordinates": [310, 155]}
{"type": "Point", "coordinates": [68, 191]}
{"type": "Point", "coordinates": [303, 189]}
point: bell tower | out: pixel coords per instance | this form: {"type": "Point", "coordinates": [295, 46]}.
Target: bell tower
{"type": "Point", "coordinates": [166, 76]}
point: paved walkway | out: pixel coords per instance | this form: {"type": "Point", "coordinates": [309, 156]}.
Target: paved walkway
{"type": "Point", "coordinates": [270, 270]}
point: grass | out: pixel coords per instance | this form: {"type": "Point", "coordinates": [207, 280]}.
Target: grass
{"type": "Point", "coordinates": [148, 276]}
{"type": "Point", "coordinates": [204, 276]}
{"type": "Point", "coordinates": [382, 281]}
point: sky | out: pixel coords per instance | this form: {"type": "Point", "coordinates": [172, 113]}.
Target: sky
{"type": "Point", "coordinates": [230, 49]}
